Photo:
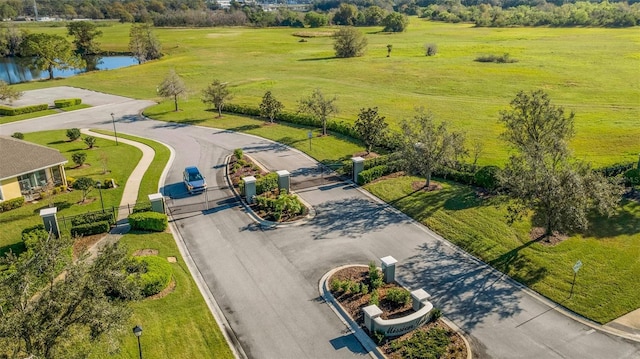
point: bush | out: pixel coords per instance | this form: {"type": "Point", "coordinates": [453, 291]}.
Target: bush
{"type": "Point", "coordinates": [378, 337]}
{"type": "Point", "coordinates": [399, 296]}
{"type": "Point", "coordinates": [375, 277]}
{"type": "Point", "coordinates": [504, 59]}
{"type": "Point", "coordinates": [430, 344]}
{"type": "Point", "coordinates": [371, 174]}
{"type": "Point", "coordinates": [109, 183]}
{"type": "Point", "coordinates": [71, 181]}
{"type": "Point", "coordinates": [267, 183]}
{"type": "Point", "coordinates": [90, 141]}
{"type": "Point", "coordinates": [615, 169]}
{"type": "Point", "coordinates": [92, 217]}
{"type": "Point", "coordinates": [68, 102]}
{"type": "Point", "coordinates": [73, 134]}
{"type": "Point", "coordinates": [148, 221]}
{"type": "Point", "coordinates": [34, 234]}
{"type": "Point", "coordinates": [238, 153]}
{"type": "Point", "coordinates": [632, 177]}
{"type": "Point", "coordinates": [79, 158]}
{"type": "Point", "coordinates": [11, 204]}
{"type": "Point", "coordinates": [14, 111]}
{"type": "Point", "coordinates": [431, 49]}
{"type": "Point", "coordinates": [88, 229]}
{"type": "Point", "coordinates": [18, 135]}
{"type": "Point", "coordinates": [142, 207]}
{"type": "Point", "coordinates": [486, 177]}
{"type": "Point", "coordinates": [436, 313]}
{"type": "Point", "coordinates": [156, 275]}
{"type": "Point", "coordinates": [375, 298]}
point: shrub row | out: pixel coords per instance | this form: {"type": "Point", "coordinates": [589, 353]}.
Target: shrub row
{"type": "Point", "coordinates": [287, 204]}
{"type": "Point", "coordinates": [148, 221]}
{"type": "Point", "coordinates": [632, 177]}
{"type": "Point", "coordinates": [11, 204]}
{"type": "Point", "coordinates": [142, 207]}
{"type": "Point", "coordinates": [88, 229]}
{"type": "Point", "coordinates": [348, 287]}
{"type": "Point", "coordinates": [373, 173]}
{"type": "Point", "coordinates": [615, 169]}
{"type": "Point", "coordinates": [67, 102]}
{"type": "Point", "coordinates": [266, 183]}
{"type": "Point", "coordinates": [13, 111]}
{"type": "Point", "coordinates": [92, 217]}
{"type": "Point", "coordinates": [156, 276]}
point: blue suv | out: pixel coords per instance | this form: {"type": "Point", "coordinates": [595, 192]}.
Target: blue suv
{"type": "Point", "coordinates": [193, 180]}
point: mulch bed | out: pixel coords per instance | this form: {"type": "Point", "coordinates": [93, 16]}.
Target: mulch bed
{"type": "Point", "coordinates": [353, 304]}
{"type": "Point", "coordinates": [537, 234]}
{"type": "Point", "coordinates": [81, 244]}
{"type": "Point", "coordinates": [420, 186]}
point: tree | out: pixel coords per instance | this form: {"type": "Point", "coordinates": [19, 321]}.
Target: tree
{"type": "Point", "coordinates": [73, 134]}
{"type": "Point", "coordinates": [85, 34]}
{"type": "Point", "coordinates": [319, 106]}
{"type": "Point", "coordinates": [374, 15]}
{"type": "Point", "coordinates": [395, 22]}
{"type": "Point", "coordinates": [314, 19]}
{"type": "Point", "coordinates": [541, 176]}
{"type": "Point", "coordinates": [49, 52]}
{"type": "Point", "coordinates": [349, 42]}
{"type": "Point", "coordinates": [8, 93]}
{"type": "Point", "coordinates": [172, 87]}
{"type": "Point", "coordinates": [46, 315]}
{"type": "Point", "coordinates": [427, 146]}
{"type": "Point", "coordinates": [79, 158]}
{"type": "Point", "coordinates": [270, 107]}
{"type": "Point", "coordinates": [85, 184]}
{"type": "Point", "coordinates": [370, 127]}
{"type": "Point", "coordinates": [90, 141]}
{"type": "Point", "coordinates": [216, 94]}
{"type": "Point", "coordinates": [10, 40]}
{"type": "Point", "coordinates": [143, 43]}
{"type": "Point", "coordinates": [346, 15]}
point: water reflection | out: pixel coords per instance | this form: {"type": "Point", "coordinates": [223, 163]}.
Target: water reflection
{"type": "Point", "coordinates": [14, 69]}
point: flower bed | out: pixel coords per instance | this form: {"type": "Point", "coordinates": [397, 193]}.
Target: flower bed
{"type": "Point", "coordinates": [433, 340]}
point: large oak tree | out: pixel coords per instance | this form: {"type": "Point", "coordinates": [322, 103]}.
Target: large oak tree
{"type": "Point", "coordinates": [49, 52]}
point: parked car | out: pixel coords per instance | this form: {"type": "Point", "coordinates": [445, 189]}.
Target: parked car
{"type": "Point", "coordinates": [193, 180]}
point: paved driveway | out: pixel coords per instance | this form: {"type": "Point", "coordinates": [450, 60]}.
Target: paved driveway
{"type": "Point", "coordinates": [265, 280]}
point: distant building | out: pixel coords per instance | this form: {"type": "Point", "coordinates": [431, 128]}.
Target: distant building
{"type": "Point", "coordinates": [25, 168]}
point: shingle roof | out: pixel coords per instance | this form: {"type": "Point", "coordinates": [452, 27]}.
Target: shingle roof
{"type": "Point", "coordinates": [18, 157]}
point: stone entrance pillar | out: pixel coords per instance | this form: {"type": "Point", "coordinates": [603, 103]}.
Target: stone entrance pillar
{"type": "Point", "coordinates": [50, 220]}
{"type": "Point", "coordinates": [370, 313]}
{"type": "Point", "coordinates": [419, 297]}
{"type": "Point", "coordinates": [358, 166]}
{"type": "Point", "coordinates": [284, 180]}
{"type": "Point", "coordinates": [249, 188]}
{"type": "Point", "coordinates": [388, 269]}
{"type": "Point", "coordinates": [157, 202]}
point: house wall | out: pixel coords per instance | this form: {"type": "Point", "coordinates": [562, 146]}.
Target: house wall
{"type": "Point", "coordinates": [10, 188]}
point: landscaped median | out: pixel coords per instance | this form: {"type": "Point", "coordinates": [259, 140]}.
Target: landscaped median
{"type": "Point", "coordinates": [387, 319]}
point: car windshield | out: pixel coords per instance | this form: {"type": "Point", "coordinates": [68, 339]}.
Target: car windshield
{"type": "Point", "coordinates": [195, 177]}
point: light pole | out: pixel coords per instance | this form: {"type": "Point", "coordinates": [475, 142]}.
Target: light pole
{"type": "Point", "coordinates": [99, 184]}
{"type": "Point", "coordinates": [137, 331]}
{"type": "Point", "coordinates": [113, 120]}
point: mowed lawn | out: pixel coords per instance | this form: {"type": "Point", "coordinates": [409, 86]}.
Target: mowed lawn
{"type": "Point", "coordinates": [119, 160]}
{"type": "Point", "coordinates": [176, 326]}
{"type": "Point", "coordinates": [606, 285]}
{"type": "Point", "coordinates": [591, 71]}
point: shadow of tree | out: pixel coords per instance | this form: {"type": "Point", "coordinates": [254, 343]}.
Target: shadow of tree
{"type": "Point", "coordinates": [513, 262]}
{"type": "Point", "coordinates": [351, 218]}
{"type": "Point", "coordinates": [60, 205]}
{"type": "Point", "coordinates": [244, 128]}
{"type": "Point", "coordinates": [175, 125]}
{"type": "Point", "coordinates": [16, 248]}
{"type": "Point", "coordinates": [467, 291]}
{"type": "Point", "coordinates": [625, 221]}
{"type": "Point", "coordinates": [318, 58]}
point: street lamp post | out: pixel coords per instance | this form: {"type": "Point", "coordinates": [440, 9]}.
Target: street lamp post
{"type": "Point", "coordinates": [137, 331]}
{"type": "Point", "coordinates": [99, 184]}
{"type": "Point", "coordinates": [113, 120]}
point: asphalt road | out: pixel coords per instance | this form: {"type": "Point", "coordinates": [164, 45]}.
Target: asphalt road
{"type": "Point", "coordinates": [266, 280]}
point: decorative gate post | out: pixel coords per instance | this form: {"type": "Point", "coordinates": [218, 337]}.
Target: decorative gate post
{"type": "Point", "coordinates": [358, 166]}
{"type": "Point", "coordinates": [50, 220]}
{"type": "Point", "coordinates": [388, 269]}
{"type": "Point", "coordinates": [249, 188]}
{"type": "Point", "coordinates": [284, 180]}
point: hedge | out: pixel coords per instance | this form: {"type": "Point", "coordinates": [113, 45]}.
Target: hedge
{"type": "Point", "coordinates": [88, 229]}
{"type": "Point", "coordinates": [142, 207]}
{"type": "Point", "coordinates": [487, 177]}
{"type": "Point", "coordinates": [13, 111]}
{"type": "Point", "coordinates": [371, 174]}
{"type": "Point", "coordinates": [67, 102]}
{"type": "Point", "coordinates": [156, 277]}
{"type": "Point", "coordinates": [11, 204]}
{"type": "Point", "coordinates": [632, 177]}
{"type": "Point", "coordinates": [92, 217]}
{"type": "Point", "coordinates": [32, 235]}
{"type": "Point", "coordinates": [148, 221]}
{"type": "Point", "coordinates": [615, 169]}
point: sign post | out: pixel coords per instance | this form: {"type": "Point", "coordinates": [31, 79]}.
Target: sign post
{"type": "Point", "coordinates": [576, 268]}
{"type": "Point", "coordinates": [310, 135]}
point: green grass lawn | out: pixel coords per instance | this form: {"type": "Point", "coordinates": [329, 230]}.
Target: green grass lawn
{"type": "Point", "coordinates": [178, 325]}
{"type": "Point", "coordinates": [606, 286]}
{"type": "Point", "coordinates": [121, 160]}
{"type": "Point", "coordinates": [586, 70]}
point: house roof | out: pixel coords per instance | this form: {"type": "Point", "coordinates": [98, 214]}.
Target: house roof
{"type": "Point", "coordinates": [18, 157]}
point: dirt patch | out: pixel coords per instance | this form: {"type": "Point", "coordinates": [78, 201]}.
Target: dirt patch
{"type": "Point", "coordinates": [82, 244]}
{"type": "Point", "coordinates": [419, 186]}
{"type": "Point", "coordinates": [169, 289]}
{"type": "Point", "coordinates": [537, 234]}
{"type": "Point", "coordinates": [87, 201]}
{"type": "Point", "coordinates": [145, 252]}
{"type": "Point", "coordinates": [353, 304]}
{"type": "Point", "coordinates": [366, 155]}
{"type": "Point", "coordinates": [172, 259]}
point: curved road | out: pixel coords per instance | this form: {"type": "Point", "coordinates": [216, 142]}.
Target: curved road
{"type": "Point", "coordinates": [266, 280]}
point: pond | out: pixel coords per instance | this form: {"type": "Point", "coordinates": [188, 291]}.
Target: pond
{"type": "Point", "coordinates": [15, 70]}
